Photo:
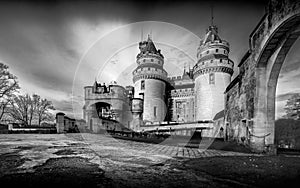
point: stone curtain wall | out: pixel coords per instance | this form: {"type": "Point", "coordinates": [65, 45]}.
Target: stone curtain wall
{"type": "Point", "coordinates": [239, 102]}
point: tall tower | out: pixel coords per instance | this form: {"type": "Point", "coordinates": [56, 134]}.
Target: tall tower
{"type": "Point", "coordinates": [149, 80]}
{"type": "Point", "coordinates": [212, 74]}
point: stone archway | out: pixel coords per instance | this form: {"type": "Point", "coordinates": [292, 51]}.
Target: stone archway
{"type": "Point", "coordinates": [268, 67]}
{"type": "Point", "coordinates": [250, 97]}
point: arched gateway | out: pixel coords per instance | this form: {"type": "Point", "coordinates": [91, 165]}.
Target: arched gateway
{"type": "Point", "coordinates": [250, 97]}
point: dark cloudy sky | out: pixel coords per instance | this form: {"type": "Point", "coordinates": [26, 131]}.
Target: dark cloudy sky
{"type": "Point", "coordinates": [46, 43]}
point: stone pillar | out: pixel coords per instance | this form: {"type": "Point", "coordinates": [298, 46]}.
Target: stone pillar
{"type": "Point", "coordinates": [90, 112]}
{"type": "Point", "coordinates": [137, 114]}
{"type": "Point", "coordinates": [96, 124]}
{"type": "Point", "coordinates": [60, 122]}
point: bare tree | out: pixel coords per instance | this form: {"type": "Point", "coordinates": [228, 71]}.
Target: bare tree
{"type": "Point", "coordinates": [42, 110]}
{"type": "Point", "coordinates": [19, 108]}
{"type": "Point", "coordinates": [28, 109]}
{"type": "Point", "coordinates": [8, 86]}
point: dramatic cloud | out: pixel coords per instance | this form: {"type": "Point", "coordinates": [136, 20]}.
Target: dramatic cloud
{"type": "Point", "coordinates": [44, 43]}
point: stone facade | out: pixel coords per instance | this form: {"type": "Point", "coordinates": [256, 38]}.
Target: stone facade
{"type": "Point", "coordinates": [182, 98]}
{"type": "Point", "coordinates": [155, 98]}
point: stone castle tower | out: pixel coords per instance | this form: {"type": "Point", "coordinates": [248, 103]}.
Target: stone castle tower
{"type": "Point", "coordinates": [212, 74]}
{"type": "Point", "coordinates": [149, 80]}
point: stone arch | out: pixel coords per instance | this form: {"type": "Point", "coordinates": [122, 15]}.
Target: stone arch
{"type": "Point", "coordinates": [120, 109]}
{"type": "Point", "coordinates": [274, 48]}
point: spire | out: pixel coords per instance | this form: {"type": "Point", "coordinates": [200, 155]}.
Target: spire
{"type": "Point", "coordinates": [142, 34]}
{"type": "Point", "coordinates": [212, 14]}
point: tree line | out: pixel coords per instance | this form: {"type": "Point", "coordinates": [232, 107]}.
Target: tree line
{"type": "Point", "coordinates": [25, 109]}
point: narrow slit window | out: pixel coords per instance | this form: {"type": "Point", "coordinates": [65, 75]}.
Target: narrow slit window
{"type": "Point", "coordinates": [211, 78]}
{"type": "Point", "coordinates": [142, 84]}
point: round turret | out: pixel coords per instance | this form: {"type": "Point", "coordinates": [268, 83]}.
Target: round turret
{"type": "Point", "coordinates": [150, 81]}
{"type": "Point", "coordinates": [212, 74]}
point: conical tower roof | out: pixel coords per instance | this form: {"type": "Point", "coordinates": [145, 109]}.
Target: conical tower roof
{"type": "Point", "coordinates": [148, 46]}
{"type": "Point", "coordinates": [211, 35]}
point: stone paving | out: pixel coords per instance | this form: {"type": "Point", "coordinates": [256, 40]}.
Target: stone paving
{"type": "Point", "coordinates": [105, 151]}
{"type": "Point", "coordinates": [159, 149]}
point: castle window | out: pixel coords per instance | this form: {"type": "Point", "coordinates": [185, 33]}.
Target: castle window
{"type": "Point", "coordinates": [220, 60]}
{"type": "Point", "coordinates": [141, 95]}
{"type": "Point", "coordinates": [217, 50]}
{"type": "Point", "coordinates": [154, 113]}
{"type": "Point", "coordinates": [211, 78]}
{"type": "Point", "coordinates": [149, 68]}
{"type": "Point", "coordinates": [152, 60]}
{"type": "Point", "coordinates": [224, 51]}
{"type": "Point", "coordinates": [142, 84]}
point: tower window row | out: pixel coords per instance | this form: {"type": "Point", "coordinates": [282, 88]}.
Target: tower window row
{"type": "Point", "coordinates": [220, 60]}
{"type": "Point", "coordinates": [216, 51]}
{"type": "Point", "coordinates": [152, 60]}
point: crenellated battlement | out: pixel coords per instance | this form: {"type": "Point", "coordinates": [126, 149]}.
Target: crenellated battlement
{"type": "Point", "coordinates": [104, 91]}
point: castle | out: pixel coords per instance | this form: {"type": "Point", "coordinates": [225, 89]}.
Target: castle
{"type": "Point", "coordinates": [197, 95]}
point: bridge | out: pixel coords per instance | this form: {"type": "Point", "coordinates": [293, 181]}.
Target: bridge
{"type": "Point", "coordinates": [250, 97]}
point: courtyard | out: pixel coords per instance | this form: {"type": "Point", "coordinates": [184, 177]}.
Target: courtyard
{"type": "Point", "coordinates": [77, 160]}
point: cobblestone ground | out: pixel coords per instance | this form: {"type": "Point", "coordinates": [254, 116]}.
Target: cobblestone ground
{"type": "Point", "coordinates": [124, 162]}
